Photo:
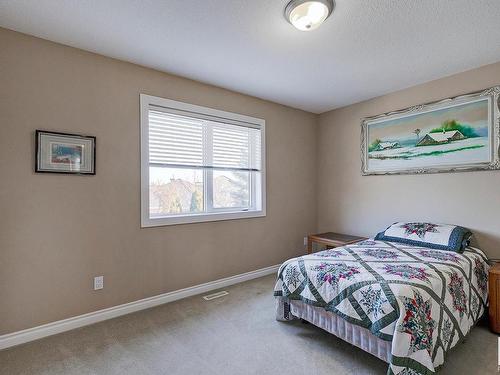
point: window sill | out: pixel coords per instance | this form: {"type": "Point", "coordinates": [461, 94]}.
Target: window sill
{"type": "Point", "coordinates": [147, 222]}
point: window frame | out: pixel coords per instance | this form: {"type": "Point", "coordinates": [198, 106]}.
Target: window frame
{"type": "Point", "coordinates": [215, 214]}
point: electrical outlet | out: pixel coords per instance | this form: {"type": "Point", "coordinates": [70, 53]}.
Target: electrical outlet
{"type": "Point", "coordinates": [98, 282]}
{"type": "Point", "coordinates": [305, 241]}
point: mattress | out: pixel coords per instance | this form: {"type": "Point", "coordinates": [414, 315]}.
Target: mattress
{"type": "Point", "coordinates": [334, 324]}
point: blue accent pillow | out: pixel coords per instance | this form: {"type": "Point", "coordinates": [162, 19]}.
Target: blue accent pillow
{"type": "Point", "coordinates": [434, 236]}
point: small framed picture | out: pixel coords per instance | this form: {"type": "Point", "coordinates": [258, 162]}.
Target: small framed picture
{"type": "Point", "coordinates": [64, 153]}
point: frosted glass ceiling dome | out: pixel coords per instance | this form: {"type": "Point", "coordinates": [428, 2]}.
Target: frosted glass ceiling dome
{"type": "Point", "coordinates": [308, 15]}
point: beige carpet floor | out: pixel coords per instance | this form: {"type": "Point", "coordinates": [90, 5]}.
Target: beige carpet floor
{"type": "Point", "coordinates": [236, 334]}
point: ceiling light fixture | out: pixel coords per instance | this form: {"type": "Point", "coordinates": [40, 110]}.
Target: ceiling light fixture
{"type": "Point", "coordinates": [307, 15]}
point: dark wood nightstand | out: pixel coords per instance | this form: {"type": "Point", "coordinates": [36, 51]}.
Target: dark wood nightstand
{"type": "Point", "coordinates": [331, 239]}
{"type": "Point", "coordinates": [494, 297]}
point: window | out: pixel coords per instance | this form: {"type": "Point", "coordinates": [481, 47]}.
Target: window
{"type": "Point", "coordinates": [199, 164]}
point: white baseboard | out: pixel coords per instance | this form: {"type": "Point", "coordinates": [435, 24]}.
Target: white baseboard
{"type": "Point", "coordinates": [35, 333]}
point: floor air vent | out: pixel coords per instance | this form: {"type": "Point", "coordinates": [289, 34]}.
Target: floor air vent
{"type": "Point", "coordinates": [215, 295]}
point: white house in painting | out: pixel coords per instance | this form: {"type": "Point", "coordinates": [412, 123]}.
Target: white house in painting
{"type": "Point", "coordinates": [440, 138]}
{"type": "Point", "coordinates": [387, 145]}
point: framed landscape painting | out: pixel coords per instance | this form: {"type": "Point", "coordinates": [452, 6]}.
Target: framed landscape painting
{"type": "Point", "coordinates": [451, 135]}
{"type": "Point", "coordinates": [64, 153]}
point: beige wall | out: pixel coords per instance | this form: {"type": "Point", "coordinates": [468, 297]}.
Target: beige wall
{"type": "Point", "coordinates": [351, 203]}
{"type": "Point", "coordinates": [58, 231]}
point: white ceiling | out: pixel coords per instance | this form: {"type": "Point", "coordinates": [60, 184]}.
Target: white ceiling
{"type": "Point", "coordinates": [365, 49]}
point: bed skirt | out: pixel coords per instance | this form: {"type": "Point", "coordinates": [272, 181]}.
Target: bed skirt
{"type": "Point", "coordinates": [334, 324]}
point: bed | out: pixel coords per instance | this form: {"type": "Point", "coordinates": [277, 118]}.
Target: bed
{"type": "Point", "coordinates": [408, 305]}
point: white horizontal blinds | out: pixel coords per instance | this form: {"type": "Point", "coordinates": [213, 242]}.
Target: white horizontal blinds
{"type": "Point", "coordinates": [235, 147]}
{"type": "Point", "coordinates": [175, 140]}
{"type": "Point", "coordinates": [185, 141]}
{"type": "Point", "coordinates": [255, 149]}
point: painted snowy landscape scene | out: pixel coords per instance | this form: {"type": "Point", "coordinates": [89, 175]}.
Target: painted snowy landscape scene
{"type": "Point", "coordinates": [450, 136]}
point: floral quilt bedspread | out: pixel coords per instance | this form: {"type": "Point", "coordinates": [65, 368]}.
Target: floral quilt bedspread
{"type": "Point", "coordinates": [425, 301]}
